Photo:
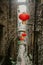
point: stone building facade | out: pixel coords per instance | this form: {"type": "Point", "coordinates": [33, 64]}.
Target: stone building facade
{"type": "Point", "coordinates": [8, 23]}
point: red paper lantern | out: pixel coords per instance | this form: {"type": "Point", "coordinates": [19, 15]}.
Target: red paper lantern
{"type": "Point", "coordinates": [24, 16]}
{"type": "Point", "coordinates": [24, 34]}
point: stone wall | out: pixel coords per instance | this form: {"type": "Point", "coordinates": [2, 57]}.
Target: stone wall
{"type": "Point", "coordinates": [9, 29]}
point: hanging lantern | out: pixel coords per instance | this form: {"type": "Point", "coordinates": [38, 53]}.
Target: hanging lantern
{"type": "Point", "coordinates": [24, 17]}
{"type": "Point", "coordinates": [24, 34]}
{"type": "Point", "coordinates": [21, 38]}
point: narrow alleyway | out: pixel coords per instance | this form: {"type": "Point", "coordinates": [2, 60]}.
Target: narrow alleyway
{"type": "Point", "coordinates": [21, 32]}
